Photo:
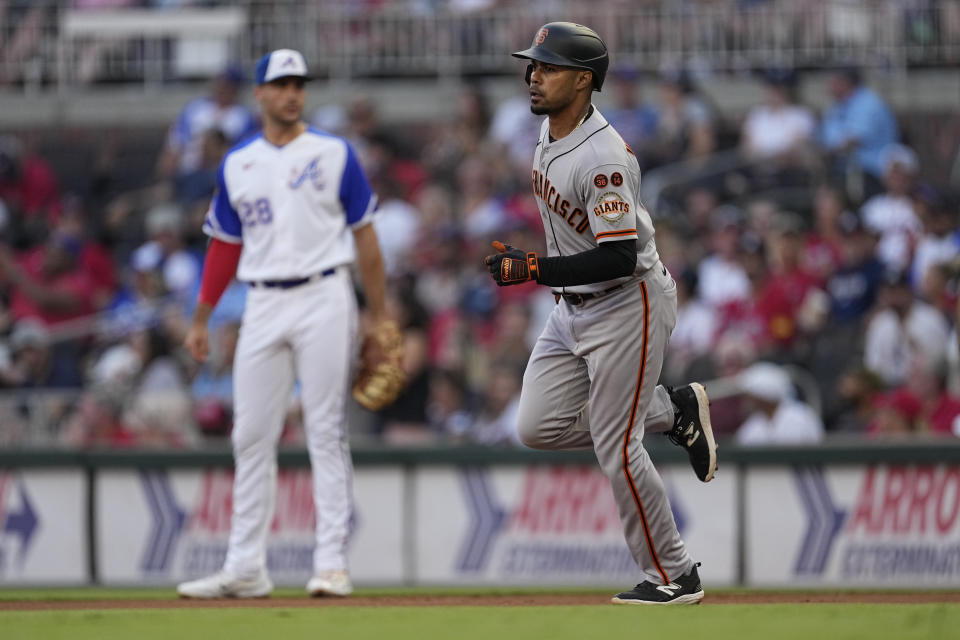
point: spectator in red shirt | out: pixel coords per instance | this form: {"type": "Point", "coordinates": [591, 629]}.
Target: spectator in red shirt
{"type": "Point", "coordinates": [939, 411]}
{"type": "Point", "coordinates": [94, 258]}
{"type": "Point", "coordinates": [896, 414]}
{"type": "Point", "coordinates": [823, 250]}
{"type": "Point", "coordinates": [45, 282]}
{"type": "Point", "coordinates": [922, 405]}
{"type": "Point", "coordinates": [788, 286]}
{"type": "Point", "coordinates": [28, 187]}
{"type": "Point", "coordinates": [742, 316]}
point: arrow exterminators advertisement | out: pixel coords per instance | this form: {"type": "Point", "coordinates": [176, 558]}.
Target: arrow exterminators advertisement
{"type": "Point", "coordinates": [883, 525]}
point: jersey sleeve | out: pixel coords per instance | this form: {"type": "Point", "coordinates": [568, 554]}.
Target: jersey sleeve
{"type": "Point", "coordinates": [356, 196]}
{"type": "Point", "coordinates": [222, 221]}
{"type": "Point", "coordinates": [610, 196]}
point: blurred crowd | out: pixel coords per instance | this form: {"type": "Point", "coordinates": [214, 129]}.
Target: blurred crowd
{"type": "Point", "coordinates": [817, 274]}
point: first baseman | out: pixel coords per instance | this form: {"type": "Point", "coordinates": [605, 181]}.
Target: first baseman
{"type": "Point", "coordinates": [592, 377]}
{"type": "Point", "coordinates": [291, 214]}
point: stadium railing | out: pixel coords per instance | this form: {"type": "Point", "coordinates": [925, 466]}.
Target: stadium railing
{"type": "Point", "coordinates": [69, 48]}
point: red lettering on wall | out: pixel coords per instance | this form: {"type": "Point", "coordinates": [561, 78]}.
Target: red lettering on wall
{"type": "Point", "coordinates": [294, 509]}
{"type": "Point", "coordinates": [896, 487]}
{"type": "Point", "coordinates": [863, 513]}
{"type": "Point", "coordinates": [566, 500]}
{"type": "Point", "coordinates": [922, 488]}
{"type": "Point", "coordinates": [948, 500]}
{"type": "Point", "coordinates": [907, 499]}
{"type": "Point", "coordinates": [216, 503]}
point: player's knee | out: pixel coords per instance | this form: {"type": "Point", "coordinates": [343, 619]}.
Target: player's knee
{"type": "Point", "coordinates": [532, 439]}
{"type": "Point", "coordinates": [530, 431]}
{"type": "Point", "coordinates": [244, 440]}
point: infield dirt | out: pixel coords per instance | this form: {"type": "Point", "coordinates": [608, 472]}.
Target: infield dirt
{"type": "Point", "coordinates": [531, 600]}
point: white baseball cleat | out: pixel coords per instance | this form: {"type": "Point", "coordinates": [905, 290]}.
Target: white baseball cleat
{"type": "Point", "coordinates": [330, 583]}
{"type": "Point", "coordinates": [227, 585]}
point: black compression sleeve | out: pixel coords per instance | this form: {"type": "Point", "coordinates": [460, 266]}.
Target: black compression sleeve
{"type": "Point", "coordinates": [613, 259]}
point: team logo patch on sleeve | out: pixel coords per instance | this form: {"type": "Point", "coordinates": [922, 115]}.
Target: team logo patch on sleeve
{"type": "Point", "coordinates": [611, 207]}
{"type": "Point", "coordinates": [616, 179]}
{"type": "Point", "coordinates": [600, 180]}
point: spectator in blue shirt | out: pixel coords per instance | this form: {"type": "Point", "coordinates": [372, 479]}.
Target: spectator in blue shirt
{"type": "Point", "coordinates": [853, 286]}
{"type": "Point", "coordinates": [857, 128]}
{"type": "Point", "coordinates": [221, 110]}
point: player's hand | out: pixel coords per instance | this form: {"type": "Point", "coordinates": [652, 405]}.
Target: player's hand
{"type": "Point", "coordinates": [511, 265]}
{"type": "Point", "coordinates": [197, 341]}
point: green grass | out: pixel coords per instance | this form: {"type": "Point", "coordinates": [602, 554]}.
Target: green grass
{"type": "Point", "coordinates": [733, 622]}
{"type": "Point", "coordinates": [607, 622]}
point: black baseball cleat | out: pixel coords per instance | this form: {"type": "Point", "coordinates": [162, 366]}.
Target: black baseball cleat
{"type": "Point", "coordinates": [691, 428]}
{"type": "Point", "coordinates": [684, 590]}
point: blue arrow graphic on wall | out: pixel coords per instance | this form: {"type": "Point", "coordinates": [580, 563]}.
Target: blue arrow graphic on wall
{"type": "Point", "coordinates": [823, 521]}
{"type": "Point", "coordinates": [486, 520]}
{"type": "Point", "coordinates": [168, 521]}
{"type": "Point", "coordinates": [22, 523]}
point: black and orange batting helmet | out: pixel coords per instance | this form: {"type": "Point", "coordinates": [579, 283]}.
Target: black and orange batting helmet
{"type": "Point", "coordinates": [567, 44]}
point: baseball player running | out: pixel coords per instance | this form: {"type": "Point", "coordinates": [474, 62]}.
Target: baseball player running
{"type": "Point", "coordinates": [591, 379]}
{"type": "Point", "coordinates": [286, 201]}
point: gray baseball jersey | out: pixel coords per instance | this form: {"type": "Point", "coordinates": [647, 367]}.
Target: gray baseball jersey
{"type": "Point", "coordinates": [591, 381]}
{"type": "Point", "coordinates": [587, 187]}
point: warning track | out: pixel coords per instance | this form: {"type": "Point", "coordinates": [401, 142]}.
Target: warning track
{"type": "Point", "coordinates": [527, 600]}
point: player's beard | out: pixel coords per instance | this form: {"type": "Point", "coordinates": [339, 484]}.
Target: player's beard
{"type": "Point", "coordinates": [543, 108]}
{"type": "Point", "coordinates": [549, 107]}
{"type": "Point", "coordinates": [284, 118]}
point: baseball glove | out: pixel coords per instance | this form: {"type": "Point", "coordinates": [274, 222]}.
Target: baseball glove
{"type": "Point", "coordinates": [381, 376]}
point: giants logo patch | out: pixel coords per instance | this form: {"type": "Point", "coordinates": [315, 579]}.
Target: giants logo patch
{"type": "Point", "coordinates": [600, 181]}
{"type": "Point", "coordinates": [611, 207]}
{"type": "Point", "coordinates": [542, 35]}
{"type": "Point", "coordinates": [616, 179]}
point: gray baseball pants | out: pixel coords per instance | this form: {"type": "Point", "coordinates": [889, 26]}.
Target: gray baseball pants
{"type": "Point", "coordinates": [592, 382]}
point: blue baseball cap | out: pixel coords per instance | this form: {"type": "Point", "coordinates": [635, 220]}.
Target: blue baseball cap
{"type": "Point", "coordinates": [281, 63]}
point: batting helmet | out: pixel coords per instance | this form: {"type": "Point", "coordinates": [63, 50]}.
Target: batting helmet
{"type": "Point", "coordinates": [568, 44]}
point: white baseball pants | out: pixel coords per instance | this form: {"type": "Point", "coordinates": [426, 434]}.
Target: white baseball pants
{"type": "Point", "coordinates": [305, 333]}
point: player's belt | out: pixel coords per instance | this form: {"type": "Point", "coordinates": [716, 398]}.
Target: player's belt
{"type": "Point", "coordinates": [580, 298]}
{"type": "Point", "coordinates": [289, 284]}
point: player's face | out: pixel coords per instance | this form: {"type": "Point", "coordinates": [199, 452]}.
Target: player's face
{"type": "Point", "coordinates": [282, 100]}
{"type": "Point", "coordinates": [553, 88]}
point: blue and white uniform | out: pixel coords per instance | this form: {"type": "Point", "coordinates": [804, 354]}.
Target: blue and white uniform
{"type": "Point", "coordinates": [293, 208]}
